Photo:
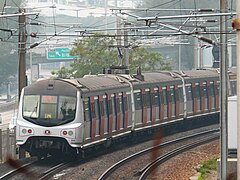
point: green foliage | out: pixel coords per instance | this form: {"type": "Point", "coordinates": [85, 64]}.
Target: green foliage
{"type": "Point", "coordinates": [97, 53]}
{"type": "Point", "coordinates": [205, 168]}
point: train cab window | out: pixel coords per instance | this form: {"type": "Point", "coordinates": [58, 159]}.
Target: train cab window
{"type": "Point", "coordinates": [31, 106]}
{"type": "Point", "coordinates": [67, 106]}
{"type": "Point", "coordinates": [47, 110]}
{"type": "Point", "coordinates": [138, 100]}
{"type": "Point", "coordinates": [48, 107]}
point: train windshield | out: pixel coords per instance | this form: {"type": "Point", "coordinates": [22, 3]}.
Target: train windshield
{"type": "Point", "coordinates": [49, 110]}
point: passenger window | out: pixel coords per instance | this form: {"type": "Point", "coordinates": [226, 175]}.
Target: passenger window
{"type": "Point", "coordinates": [217, 88]}
{"type": "Point", "coordinates": [155, 97]}
{"type": "Point", "coordinates": [110, 110]}
{"type": "Point", "coordinates": [119, 103]}
{"type": "Point", "coordinates": [93, 113]}
{"type": "Point", "coordinates": [189, 93]}
{"type": "Point", "coordinates": [144, 99]}
{"type": "Point", "coordinates": [86, 103]}
{"type": "Point", "coordinates": [148, 99]}
{"type": "Point", "coordinates": [165, 98]}
{"type": "Point", "coordinates": [211, 86]}
{"type": "Point", "coordinates": [97, 108]}
{"type": "Point", "coordinates": [101, 108]}
{"type": "Point", "coordinates": [180, 94]}
{"type": "Point", "coordinates": [138, 100]}
{"type": "Point", "coordinates": [205, 93]}
{"type": "Point", "coordinates": [125, 103]}
{"type": "Point", "coordinates": [172, 95]}
{"type": "Point", "coordinates": [198, 94]}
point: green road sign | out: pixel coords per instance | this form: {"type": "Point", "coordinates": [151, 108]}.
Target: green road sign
{"type": "Point", "coordinates": [59, 53]}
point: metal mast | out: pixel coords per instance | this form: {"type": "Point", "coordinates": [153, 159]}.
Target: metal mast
{"type": "Point", "coordinates": [223, 91]}
{"type": "Point", "coordinates": [22, 38]}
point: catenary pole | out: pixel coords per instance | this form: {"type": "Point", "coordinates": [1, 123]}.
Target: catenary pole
{"type": "Point", "coordinates": [238, 91]}
{"type": "Point", "coordinates": [22, 52]}
{"type": "Point", "coordinates": [223, 91]}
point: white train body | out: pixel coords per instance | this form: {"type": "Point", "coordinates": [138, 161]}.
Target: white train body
{"type": "Point", "coordinates": [71, 114]}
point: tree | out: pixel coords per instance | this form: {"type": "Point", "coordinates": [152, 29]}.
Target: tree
{"type": "Point", "coordinates": [97, 53]}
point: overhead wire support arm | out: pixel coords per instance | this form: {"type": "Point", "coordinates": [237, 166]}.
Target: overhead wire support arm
{"type": "Point", "coordinates": [184, 16]}
{"type": "Point", "coordinates": [160, 9]}
{"type": "Point", "coordinates": [188, 33]}
{"type": "Point", "coordinates": [18, 14]}
{"type": "Point", "coordinates": [56, 34]}
{"type": "Point", "coordinates": [7, 30]}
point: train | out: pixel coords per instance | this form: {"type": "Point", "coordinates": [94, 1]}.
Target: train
{"type": "Point", "coordinates": [71, 115]}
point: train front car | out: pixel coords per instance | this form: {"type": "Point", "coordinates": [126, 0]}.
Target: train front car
{"type": "Point", "coordinates": [47, 121]}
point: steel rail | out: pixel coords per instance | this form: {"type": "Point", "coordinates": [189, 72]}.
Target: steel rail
{"type": "Point", "coordinates": [114, 167]}
{"type": "Point", "coordinates": [146, 171]}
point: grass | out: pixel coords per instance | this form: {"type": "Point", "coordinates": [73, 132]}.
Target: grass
{"type": "Point", "coordinates": [205, 168]}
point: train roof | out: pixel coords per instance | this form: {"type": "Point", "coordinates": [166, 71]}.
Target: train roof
{"type": "Point", "coordinates": [108, 83]}
{"type": "Point", "coordinates": [201, 73]}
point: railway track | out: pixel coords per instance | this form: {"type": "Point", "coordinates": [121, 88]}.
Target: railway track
{"type": "Point", "coordinates": [144, 172]}
{"type": "Point", "coordinates": [38, 169]}
{"type": "Point", "coordinates": [16, 171]}
{"type": "Point", "coordinates": [54, 170]}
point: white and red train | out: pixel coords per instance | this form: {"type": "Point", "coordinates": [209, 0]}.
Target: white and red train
{"type": "Point", "coordinates": [74, 114]}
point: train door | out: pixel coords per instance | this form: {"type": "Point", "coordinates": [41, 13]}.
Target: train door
{"type": "Point", "coordinates": [93, 117]}
{"type": "Point", "coordinates": [190, 99]}
{"type": "Point", "coordinates": [138, 106]}
{"type": "Point", "coordinates": [125, 110]}
{"type": "Point", "coordinates": [114, 106]}
{"type": "Point", "coordinates": [172, 102]}
{"type": "Point", "coordinates": [87, 118]}
{"type": "Point", "coordinates": [147, 113]}
{"type": "Point", "coordinates": [197, 95]}
{"type": "Point", "coordinates": [104, 115]}
{"type": "Point", "coordinates": [118, 112]}
{"type": "Point", "coordinates": [128, 105]}
{"type": "Point", "coordinates": [97, 116]}
{"type": "Point", "coordinates": [216, 90]}
{"type": "Point", "coordinates": [211, 93]}
{"type": "Point", "coordinates": [176, 101]}
{"type": "Point", "coordinates": [161, 104]}
{"type": "Point", "coordinates": [181, 100]}
{"type": "Point", "coordinates": [155, 101]}
{"type": "Point", "coordinates": [165, 102]}
{"type": "Point", "coordinates": [205, 96]}
{"type": "Point", "coordinates": [110, 113]}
